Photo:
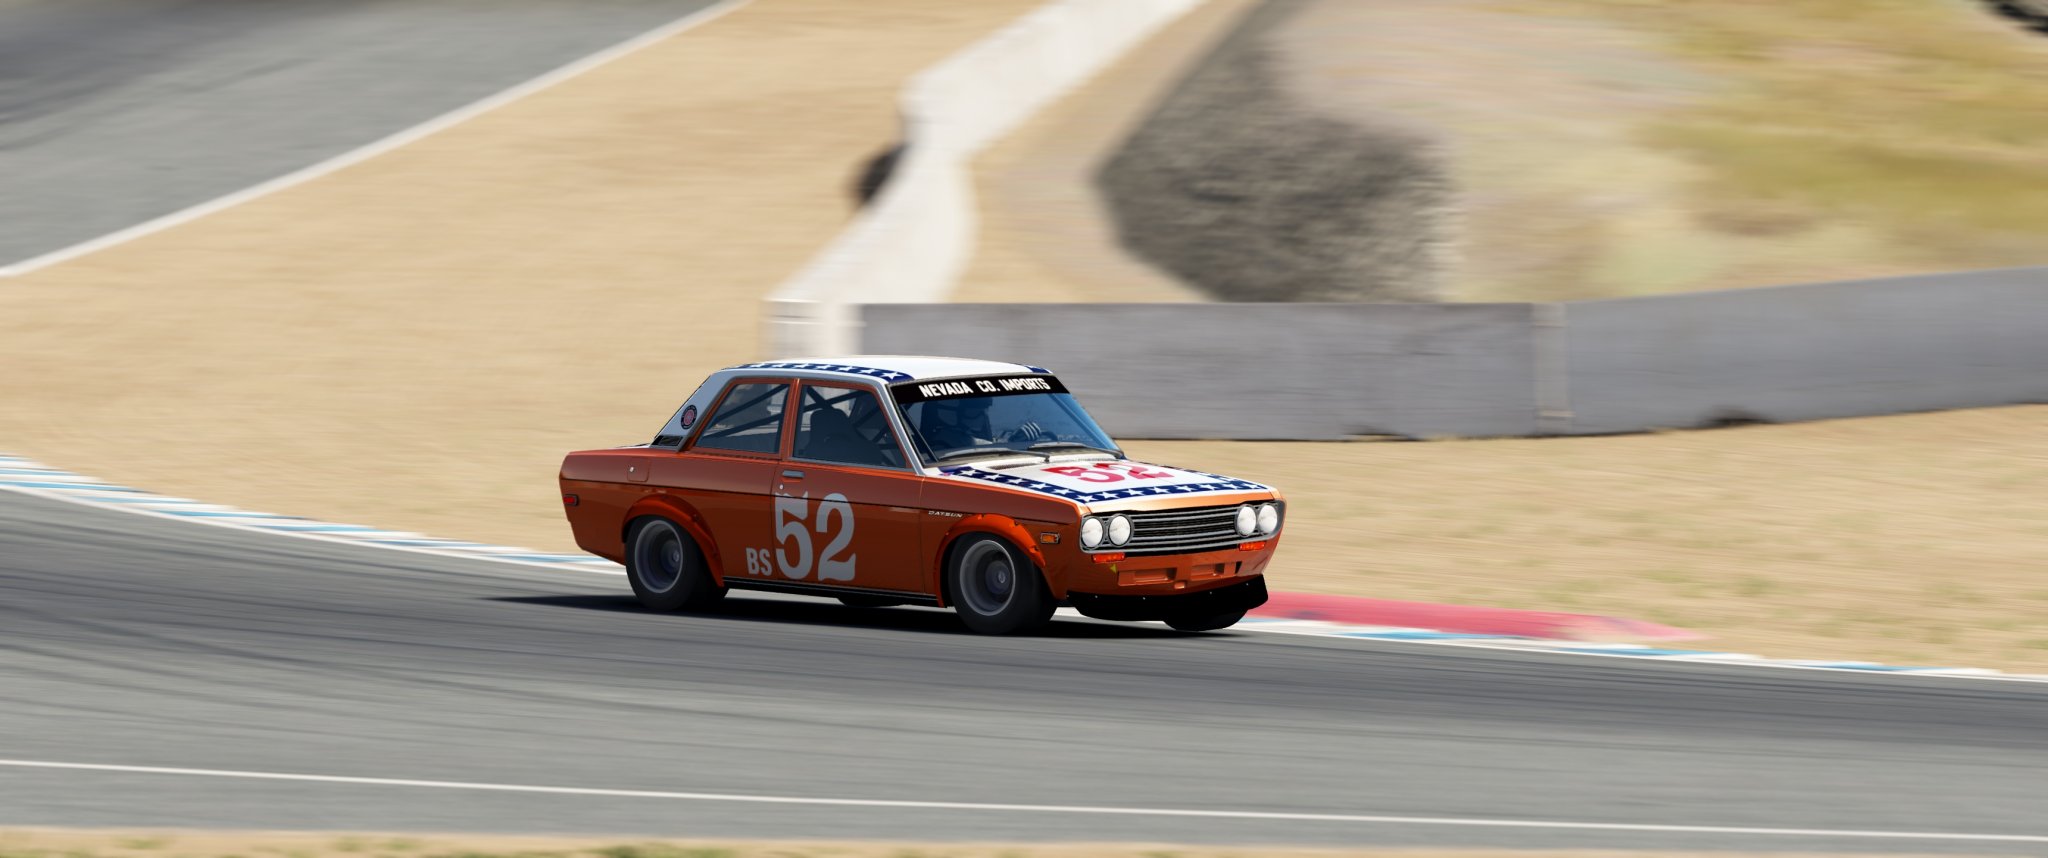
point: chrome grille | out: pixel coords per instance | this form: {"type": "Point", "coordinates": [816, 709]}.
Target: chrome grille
{"type": "Point", "coordinates": [1181, 531]}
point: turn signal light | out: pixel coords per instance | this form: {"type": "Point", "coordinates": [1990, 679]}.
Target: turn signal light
{"type": "Point", "coordinates": [1109, 558]}
{"type": "Point", "coordinates": [1252, 546]}
{"type": "Point", "coordinates": [571, 500]}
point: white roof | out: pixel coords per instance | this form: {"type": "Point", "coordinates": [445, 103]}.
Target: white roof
{"type": "Point", "coordinates": [894, 368]}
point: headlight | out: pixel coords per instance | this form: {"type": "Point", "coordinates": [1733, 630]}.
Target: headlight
{"type": "Point", "coordinates": [1091, 532]}
{"type": "Point", "coordinates": [1247, 520]}
{"type": "Point", "coordinates": [1119, 530]}
{"type": "Point", "coordinates": [1269, 519]}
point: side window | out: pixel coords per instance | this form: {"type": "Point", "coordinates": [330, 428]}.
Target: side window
{"type": "Point", "coordinates": [749, 419]}
{"type": "Point", "coordinates": [845, 426]}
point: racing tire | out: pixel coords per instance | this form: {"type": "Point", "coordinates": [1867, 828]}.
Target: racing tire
{"type": "Point", "coordinates": [667, 568]}
{"type": "Point", "coordinates": [869, 601]}
{"type": "Point", "coordinates": [1203, 622]}
{"type": "Point", "coordinates": [994, 589]}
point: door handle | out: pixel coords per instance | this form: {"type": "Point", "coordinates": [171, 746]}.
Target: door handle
{"type": "Point", "coordinates": [792, 475]}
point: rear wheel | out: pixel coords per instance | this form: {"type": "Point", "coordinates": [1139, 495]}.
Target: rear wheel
{"type": "Point", "coordinates": [1203, 622]}
{"type": "Point", "coordinates": [994, 589]}
{"type": "Point", "coordinates": [667, 569]}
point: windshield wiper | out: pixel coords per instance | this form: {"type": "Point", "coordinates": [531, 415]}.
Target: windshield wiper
{"type": "Point", "coordinates": [1049, 445]}
{"type": "Point", "coordinates": [984, 451]}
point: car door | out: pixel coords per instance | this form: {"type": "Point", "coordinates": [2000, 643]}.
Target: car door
{"type": "Point", "coordinates": [846, 499]}
{"type": "Point", "coordinates": [727, 469]}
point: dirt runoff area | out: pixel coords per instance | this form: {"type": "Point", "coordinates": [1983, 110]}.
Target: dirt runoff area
{"type": "Point", "coordinates": [1914, 539]}
{"type": "Point", "coordinates": [59, 843]}
{"type": "Point", "coordinates": [414, 342]}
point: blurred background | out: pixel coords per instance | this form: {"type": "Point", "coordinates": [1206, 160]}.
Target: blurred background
{"type": "Point", "coordinates": [1717, 314]}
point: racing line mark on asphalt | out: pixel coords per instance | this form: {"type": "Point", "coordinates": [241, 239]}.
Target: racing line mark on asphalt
{"type": "Point", "coordinates": [375, 147]}
{"type": "Point", "coordinates": [993, 807]}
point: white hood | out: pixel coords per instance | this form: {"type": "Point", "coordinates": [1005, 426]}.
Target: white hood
{"type": "Point", "coordinates": [1099, 481]}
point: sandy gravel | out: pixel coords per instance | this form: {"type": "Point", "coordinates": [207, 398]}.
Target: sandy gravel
{"type": "Point", "coordinates": [414, 342]}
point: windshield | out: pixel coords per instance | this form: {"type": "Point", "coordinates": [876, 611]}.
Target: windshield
{"type": "Point", "coordinates": [959, 419]}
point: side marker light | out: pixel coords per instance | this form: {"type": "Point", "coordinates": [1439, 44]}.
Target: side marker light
{"type": "Point", "coordinates": [571, 500]}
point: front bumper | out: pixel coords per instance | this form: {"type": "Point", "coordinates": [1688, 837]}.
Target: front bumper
{"type": "Point", "coordinates": [1158, 575]}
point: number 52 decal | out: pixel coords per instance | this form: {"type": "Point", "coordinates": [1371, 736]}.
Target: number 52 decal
{"type": "Point", "coordinates": [793, 529]}
{"type": "Point", "coordinates": [1109, 472]}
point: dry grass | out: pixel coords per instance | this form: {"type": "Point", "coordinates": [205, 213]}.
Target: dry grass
{"type": "Point", "coordinates": [59, 843]}
{"type": "Point", "coordinates": [1908, 539]}
{"type": "Point", "coordinates": [1617, 147]}
{"type": "Point", "coordinates": [1921, 119]}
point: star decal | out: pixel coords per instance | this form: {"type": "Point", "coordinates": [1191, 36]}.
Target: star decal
{"type": "Point", "coordinates": [875, 372]}
{"type": "Point", "coordinates": [1219, 484]}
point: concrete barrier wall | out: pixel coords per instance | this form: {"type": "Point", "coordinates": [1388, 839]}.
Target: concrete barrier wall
{"type": "Point", "coordinates": [1329, 371]}
{"type": "Point", "coordinates": [1316, 371]}
{"type": "Point", "coordinates": [913, 239]}
{"type": "Point", "coordinates": [1809, 352]}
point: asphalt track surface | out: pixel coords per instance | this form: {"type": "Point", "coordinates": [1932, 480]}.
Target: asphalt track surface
{"type": "Point", "coordinates": [114, 112]}
{"type": "Point", "coordinates": [128, 640]}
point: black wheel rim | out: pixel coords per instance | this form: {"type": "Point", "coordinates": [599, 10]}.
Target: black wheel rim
{"type": "Point", "coordinates": [658, 558]}
{"type": "Point", "coordinates": [989, 578]}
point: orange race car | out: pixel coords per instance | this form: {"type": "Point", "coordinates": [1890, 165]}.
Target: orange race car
{"type": "Point", "coordinates": [972, 484]}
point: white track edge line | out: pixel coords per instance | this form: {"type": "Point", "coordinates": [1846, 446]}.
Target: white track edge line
{"type": "Point", "coordinates": [374, 148]}
{"type": "Point", "coordinates": [133, 509]}
{"type": "Point", "coordinates": [1000, 807]}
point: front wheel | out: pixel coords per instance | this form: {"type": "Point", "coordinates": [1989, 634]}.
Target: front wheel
{"type": "Point", "coordinates": [994, 589]}
{"type": "Point", "coordinates": [667, 569]}
{"type": "Point", "coordinates": [1203, 622]}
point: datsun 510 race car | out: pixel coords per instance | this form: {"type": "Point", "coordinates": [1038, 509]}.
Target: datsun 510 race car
{"type": "Point", "coordinates": [879, 481]}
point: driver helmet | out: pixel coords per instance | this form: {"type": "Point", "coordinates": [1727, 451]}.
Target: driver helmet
{"type": "Point", "coordinates": [969, 415]}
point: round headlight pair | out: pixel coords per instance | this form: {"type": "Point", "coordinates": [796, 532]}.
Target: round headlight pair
{"type": "Point", "coordinates": [1094, 531]}
{"type": "Point", "coordinates": [1258, 519]}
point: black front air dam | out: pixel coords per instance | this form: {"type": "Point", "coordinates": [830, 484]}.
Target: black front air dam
{"type": "Point", "coordinates": [1242, 596]}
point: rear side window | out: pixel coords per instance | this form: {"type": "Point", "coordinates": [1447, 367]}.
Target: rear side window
{"type": "Point", "coordinates": [749, 419]}
{"type": "Point", "coordinates": [845, 426]}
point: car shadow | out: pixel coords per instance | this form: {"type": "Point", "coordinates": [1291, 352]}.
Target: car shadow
{"type": "Point", "coordinates": [821, 612]}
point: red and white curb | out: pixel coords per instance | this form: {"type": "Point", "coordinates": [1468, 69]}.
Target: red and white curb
{"type": "Point", "coordinates": [1290, 614]}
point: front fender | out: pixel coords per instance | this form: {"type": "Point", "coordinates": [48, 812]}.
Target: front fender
{"type": "Point", "coordinates": [994, 525]}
